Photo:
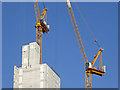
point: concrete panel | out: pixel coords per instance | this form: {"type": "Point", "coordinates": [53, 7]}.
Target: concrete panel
{"type": "Point", "coordinates": [34, 75]}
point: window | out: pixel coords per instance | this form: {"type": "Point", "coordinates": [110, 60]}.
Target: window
{"type": "Point", "coordinates": [25, 60]}
{"type": "Point", "coordinates": [20, 86]}
{"type": "Point", "coordinates": [25, 48]}
{"type": "Point", "coordinates": [20, 79]}
{"type": "Point", "coordinates": [41, 68]}
{"type": "Point", "coordinates": [31, 46]}
{"type": "Point", "coordinates": [41, 84]}
{"type": "Point", "coordinates": [41, 76]}
{"type": "Point", "coordinates": [20, 71]}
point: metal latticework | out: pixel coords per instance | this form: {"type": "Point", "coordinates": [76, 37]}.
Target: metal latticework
{"type": "Point", "coordinates": [88, 66]}
{"type": "Point", "coordinates": [40, 27]}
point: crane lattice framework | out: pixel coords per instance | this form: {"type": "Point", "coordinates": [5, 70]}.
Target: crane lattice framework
{"type": "Point", "coordinates": [89, 69]}
{"type": "Point", "coordinates": [41, 27]}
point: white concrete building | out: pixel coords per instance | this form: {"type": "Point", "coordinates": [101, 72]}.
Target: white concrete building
{"type": "Point", "coordinates": [32, 74]}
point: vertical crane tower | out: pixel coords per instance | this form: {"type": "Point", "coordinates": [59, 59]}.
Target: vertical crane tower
{"type": "Point", "coordinates": [89, 69]}
{"type": "Point", "coordinates": [41, 27]}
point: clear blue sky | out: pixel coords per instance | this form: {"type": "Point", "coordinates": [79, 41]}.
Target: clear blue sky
{"type": "Point", "coordinates": [60, 49]}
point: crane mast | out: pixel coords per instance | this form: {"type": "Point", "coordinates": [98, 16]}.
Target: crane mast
{"type": "Point", "coordinates": [88, 66]}
{"type": "Point", "coordinates": [41, 27]}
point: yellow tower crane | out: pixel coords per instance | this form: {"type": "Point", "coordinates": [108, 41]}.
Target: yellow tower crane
{"type": "Point", "coordinates": [41, 27]}
{"type": "Point", "coordinates": [89, 69]}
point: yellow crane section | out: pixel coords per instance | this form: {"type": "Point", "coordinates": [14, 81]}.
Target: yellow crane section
{"type": "Point", "coordinates": [75, 28]}
{"type": "Point", "coordinates": [96, 56]}
{"type": "Point", "coordinates": [88, 66]}
{"type": "Point", "coordinates": [41, 26]}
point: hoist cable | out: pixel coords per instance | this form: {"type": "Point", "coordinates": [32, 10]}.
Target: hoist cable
{"type": "Point", "coordinates": [43, 4]}
{"type": "Point", "coordinates": [87, 25]}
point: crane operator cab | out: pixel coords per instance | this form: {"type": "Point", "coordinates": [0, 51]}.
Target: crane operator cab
{"type": "Point", "coordinates": [45, 27]}
{"type": "Point", "coordinates": [94, 70]}
{"type": "Point", "coordinates": [88, 65]}
{"type": "Point", "coordinates": [42, 24]}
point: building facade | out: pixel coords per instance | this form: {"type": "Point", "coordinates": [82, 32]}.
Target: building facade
{"type": "Point", "coordinates": [32, 74]}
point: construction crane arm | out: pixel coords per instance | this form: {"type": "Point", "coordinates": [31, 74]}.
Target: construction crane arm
{"type": "Point", "coordinates": [89, 70]}
{"type": "Point", "coordinates": [37, 13]}
{"type": "Point", "coordinates": [96, 56]}
{"type": "Point", "coordinates": [77, 34]}
{"type": "Point", "coordinates": [44, 13]}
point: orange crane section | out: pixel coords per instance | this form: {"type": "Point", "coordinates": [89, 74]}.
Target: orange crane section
{"type": "Point", "coordinates": [41, 26]}
{"type": "Point", "coordinates": [88, 66]}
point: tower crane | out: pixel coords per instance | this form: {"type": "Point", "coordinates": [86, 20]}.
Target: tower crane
{"type": "Point", "coordinates": [89, 69]}
{"type": "Point", "coordinates": [41, 26]}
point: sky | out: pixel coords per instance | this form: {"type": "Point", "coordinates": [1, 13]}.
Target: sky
{"type": "Point", "coordinates": [60, 48]}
